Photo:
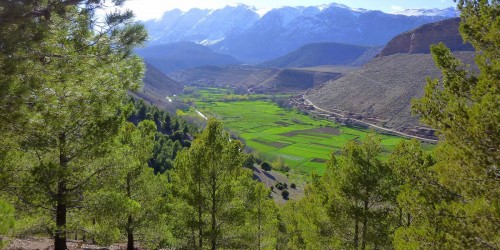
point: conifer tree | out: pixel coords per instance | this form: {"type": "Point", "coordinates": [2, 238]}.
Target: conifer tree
{"type": "Point", "coordinates": [464, 107]}
{"type": "Point", "coordinates": [63, 78]}
{"type": "Point", "coordinates": [207, 177]}
{"type": "Point", "coordinates": [133, 197]}
{"type": "Point", "coordinates": [347, 207]}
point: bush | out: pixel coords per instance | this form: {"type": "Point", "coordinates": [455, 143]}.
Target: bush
{"type": "Point", "coordinates": [280, 186]}
{"type": "Point", "coordinates": [265, 166]}
{"type": "Point", "coordinates": [258, 160]}
{"type": "Point", "coordinates": [285, 194]}
{"type": "Point", "coordinates": [285, 168]}
{"type": "Point", "coordinates": [293, 186]}
{"type": "Point", "coordinates": [272, 188]}
{"type": "Point", "coordinates": [249, 161]}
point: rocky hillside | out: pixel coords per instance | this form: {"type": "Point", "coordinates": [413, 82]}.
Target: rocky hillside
{"type": "Point", "coordinates": [381, 91]}
{"type": "Point", "coordinates": [420, 39]}
{"type": "Point", "coordinates": [253, 35]}
{"type": "Point", "coordinates": [182, 55]}
{"type": "Point", "coordinates": [157, 81]}
{"type": "Point", "coordinates": [252, 79]}
{"type": "Point", "coordinates": [318, 54]}
{"type": "Point", "coordinates": [158, 89]}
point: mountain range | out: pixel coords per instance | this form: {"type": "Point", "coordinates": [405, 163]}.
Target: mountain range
{"type": "Point", "coordinates": [252, 35]}
{"type": "Point", "coordinates": [317, 54]}
{"type": "Point", "coordinates": [182, 55]}
{"type": "Point", "coordinates": [246, 78]}
{"type": "Point", "coordinates": [381, 90]}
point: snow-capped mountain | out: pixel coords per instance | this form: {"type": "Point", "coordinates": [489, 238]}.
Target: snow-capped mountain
{"type": "Point", "coordinates": [448, 12]}
{"type": "Point", "coordinates": [205, 27]}
{"type": "Point", "coordinates": [253, 35]}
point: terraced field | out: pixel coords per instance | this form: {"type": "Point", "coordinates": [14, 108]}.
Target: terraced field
{"type": "Point", "coordinates": [303, 143]}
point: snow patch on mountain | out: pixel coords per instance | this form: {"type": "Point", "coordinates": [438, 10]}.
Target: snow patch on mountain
{"type": "Point", "coordinates": [448, 12]}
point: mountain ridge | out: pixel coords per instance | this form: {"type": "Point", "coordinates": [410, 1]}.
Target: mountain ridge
{"type": "Point", "coordinates": [318, 54]}
{"type": "Point", "coordinates": [254, 36]}
{"type": "Point", "coordinates": [182, 55]}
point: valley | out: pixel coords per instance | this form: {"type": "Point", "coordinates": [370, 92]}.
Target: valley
{"type": "Point", "coordinates": [282, 136]}
{"type": "Point", "coordinates": [229, 126]}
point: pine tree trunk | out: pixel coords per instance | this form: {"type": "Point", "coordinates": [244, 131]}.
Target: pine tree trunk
{"type": "Point", "coordinates": [130, 229]}
{"type": "Point", "coordinates": [61, 208]}
{"type": "Point", "coordinates": [130, 234]}
{"type": "Point", "coordinates": [60, 235]}
{"type": "Point", "coordinates": [214, 211]}
{"type": "Point", "coordinates": [200, 222]}
{"type": "Point", "coordinates": [260, 224]}
{"type": "Point", "coordinates": [356, 233]}
{"type": "Point", "coordinates": [365, 225]}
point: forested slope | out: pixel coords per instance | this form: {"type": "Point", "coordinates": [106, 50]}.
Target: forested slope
{"type": "Point", "coordinates": [72, 165]}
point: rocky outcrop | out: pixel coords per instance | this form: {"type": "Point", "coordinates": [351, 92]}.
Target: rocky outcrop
{"type": "Point", "coordinates": [419, 40]}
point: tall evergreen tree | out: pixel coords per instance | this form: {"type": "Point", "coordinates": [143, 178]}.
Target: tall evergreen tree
{"type": "Point", "coordinates": [348, 206]}
{"type": "Point", "coordinates": [132, 200]}
{"type": "Point", "coordinates": [64, 75]}
{"type": "Point", "coordinates": [207, 177]}
{"type": "Point", "coordinates": [464, 107]}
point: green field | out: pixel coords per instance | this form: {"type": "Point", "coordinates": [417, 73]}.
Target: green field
{"type": "Point", "coordinates": [302, 142]}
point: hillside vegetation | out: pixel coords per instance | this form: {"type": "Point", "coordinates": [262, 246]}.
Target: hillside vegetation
{"type": "Point", "coordinates": [79, 160]}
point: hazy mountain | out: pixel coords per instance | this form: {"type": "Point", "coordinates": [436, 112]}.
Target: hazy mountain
{"type": "Point", "coordinates": [318, 54]}
{"type": "Point", "coordinates": [182, 55]}
{"type": "Point", "coordinates": [253, 35]}
{"type": "Point", "coordinates": [245, 78]}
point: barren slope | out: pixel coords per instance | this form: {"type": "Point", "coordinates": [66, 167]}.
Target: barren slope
{"type": "Point", "coordinates": [317, 54]}
{"type": "Point", "coordinates": [255, 79]}
{"type": "Point", "coordinates": [383, 88]}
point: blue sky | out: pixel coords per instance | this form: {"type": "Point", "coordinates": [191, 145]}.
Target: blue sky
{"type": "Point", "coordinates": [148, 9]}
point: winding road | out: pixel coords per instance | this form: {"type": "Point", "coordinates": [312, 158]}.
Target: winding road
{"type": "Point", "coordinates": [201, 114]}
{"type": "Point", "coordinates": [370, 124]}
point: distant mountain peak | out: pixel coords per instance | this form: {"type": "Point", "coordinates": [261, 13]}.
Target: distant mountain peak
{"type": "Point", "coordinates": [447, 12]}
{"type": "Point", "coordinates": [255, 35]}
{"type": "Point", "coordinates": [330, 5]}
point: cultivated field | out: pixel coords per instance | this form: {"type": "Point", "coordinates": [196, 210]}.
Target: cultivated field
{"type": "Point", "coordinates": [275, 134]}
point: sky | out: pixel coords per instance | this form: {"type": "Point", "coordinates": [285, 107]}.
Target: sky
{"type": "Point", "coordinates": [151, 9]}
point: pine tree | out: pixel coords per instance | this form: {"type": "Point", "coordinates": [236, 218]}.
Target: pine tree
{"type": "Point", "coordinates": [262, 219]}
{"type": "Point", "coordinates": [63, 82]}
{"type": "Point", "coordinates": [464, 107]}
{"type": "Point", "coordinates": [348, 206]}
{"type": "Point", "coordinates": [133, 198]}
{"type": "Point", "coordinates": [207, 176]}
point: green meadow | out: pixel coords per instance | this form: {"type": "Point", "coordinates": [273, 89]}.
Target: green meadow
{"type": "Point", "coordinates": [275, 134]}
